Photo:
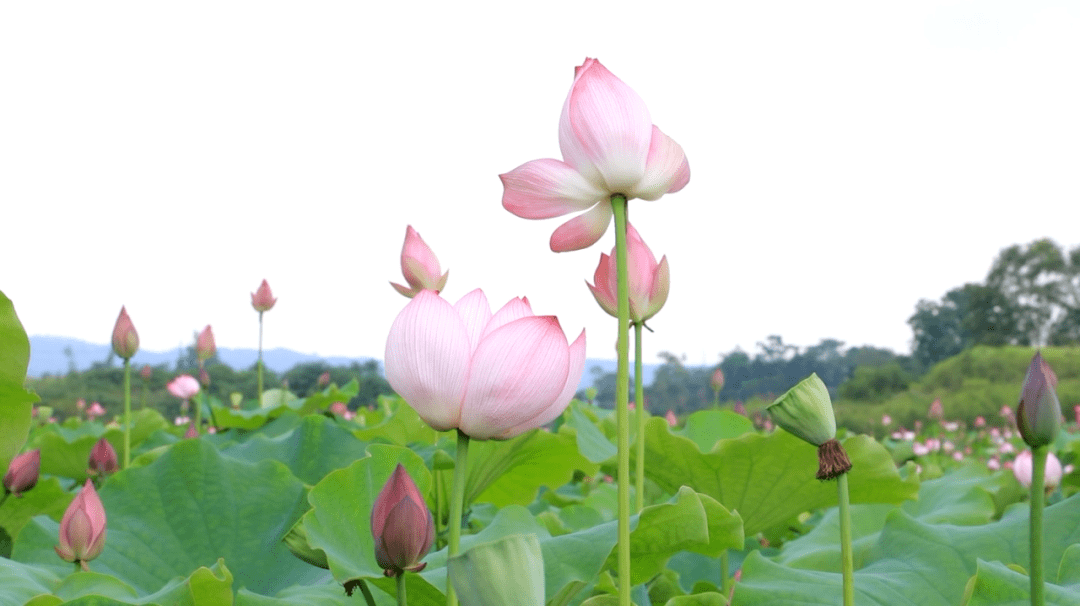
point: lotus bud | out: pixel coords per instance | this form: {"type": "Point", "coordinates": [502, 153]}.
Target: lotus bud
{"type": "Point", "coordinates": [324, 380]}
{"type": "Point", "coordinates": [125, 341]}
{"type": "Point", "coordinates": [94, 411]}
{"type": "Point", "coordinates": [806, 411]}
{"type": "Point", "coordinates": [103, 459]}
{"type": "Point", "coordinates": [146, 372]}
{"type": "Point", "coordinates": [419, 266]}
{"type": "Point", "coordinates": [1038, 416]}
{"type": "Point", "coordinates": [82, 530]}
{"type": "Point", "coordinates": [717, 380]}
{"type": "Point", "coordinates": [507, 571]}
{"type": "Point", "coordinates": [183, 387]}
{"type": "Point", "coordinates": [263, 299]}
{"type": "Point", "coordinates": [204, 345]}
{"type": "Point", "coordinates": [192, 431]}
{"type": "Point", "coordinates": [80, 404]}
{"type": "Point", "coordinates": [23, 472]}
{"type": "Point", "coordinates": [672, 420]}
{"type": "Point", "coordinates": [401, 524]}
{"type": "Point", "coordinates": [204, 378]}
{"type": "Point", "coordinates": [739, 408]}
{"type": "Point", "coordinates": [936, 412]}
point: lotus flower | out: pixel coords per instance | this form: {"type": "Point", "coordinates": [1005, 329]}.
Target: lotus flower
{"type": "Point", "coordinates": [493, 376]}
{"type": "Point", "coordinates": [936, 411]}
{"type": "Point", "coordinates": [146, 372]}
{"type": "Point", "coordinates": [1022, 469]}
{"type": "Point", "coordinates": [717, 380]}
{"type": "Point", "coordinates": [419, 266]}
{"type": "Point", "coordinates": [184, 387]}
{"type": "Point", "coordinates": [23, 472]}
{"type": "Point", "coordinates": [103, 458]}
{"type": "Point", "coordinates": [82, 530]}
{"type": "Point", "coordinates": [401, 524]}
{"type": "Point", "coordinates": [1038, 416]}
{"type": "Point", "coordinates": [125, 341]}
{"type": "Point", "coordinates": [609, 146]}
{"type": "Point", "coordinates": [205, 348]}
{"type": "Point", "coordinates": [94, 411]}
{"type": "Point", "coordinates": [649, 281]}
{"type": "Point", "coordinates": [263, 299]}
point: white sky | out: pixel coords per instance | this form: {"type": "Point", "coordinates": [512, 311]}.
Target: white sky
{"type": "Point", "coordinates": [847, 159]}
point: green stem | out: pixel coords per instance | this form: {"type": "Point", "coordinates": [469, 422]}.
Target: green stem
{"type": "Point", "coordinates": [438, 505]}
{"type": "Point", "coordinates": [639, 399]}
{"type": "Point", "coordinates": [127, 412]}
{"type": "Point", "coordinates": [622, 397]}
{"type": "Point", "coordinates": [1038, 501]}
{"type": "Point", "coordinates": [401, 589]}
{"type": "Point", "coordinates": [725, 575]}
{"type": "Point", "coordinates": [370, 599]}
{"type": "Point", "coordinates": [199, 405]}
{"type": "Point", "coordinates": [259, 365]}
{"type": "Point", "coordinates": [845, 539]}
{"type": "Point", "coordinates": [4, 497]}
{"type": "Point", "coordinates": [457, 506]}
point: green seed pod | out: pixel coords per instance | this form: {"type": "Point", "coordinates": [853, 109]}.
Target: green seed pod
{"type": "Point", "coordinates": [507, 571]}
{"type": "Point", "coordinates": [806, 411]}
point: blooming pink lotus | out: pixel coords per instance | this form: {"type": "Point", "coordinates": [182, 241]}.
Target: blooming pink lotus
{"type": "Point", "coordinates": [1022, 469]}
{"type": "Point", "coordinates": [23, 472]}
{"type": "Point", "coordinates": [401, 525]}
{"type": "Point", "coordinates": [493, 376]}
{"type": "Point", "coordinates": [125, 341]}
{"type": "Point", "coordinates": [419, 266]}
{"type": "Point", "coordinates": [649, 281]}
{"type": "Point", "coordinates": [82, 529]}
{"type": "Point", "coordinates": [263, 298]}
{"type": "Point", "coordinates": [184, 387]}
{"type": "Point", "coordinates": [609, 146]}
{"type": "Point", "coordinates": [205, 348]}
{"type": "Point", "coordinates": [95, 411]}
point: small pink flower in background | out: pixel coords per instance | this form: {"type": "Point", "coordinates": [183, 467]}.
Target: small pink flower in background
{"type": "Point", "coordinates": [993, 463]}
{"type": "Point", "coordinates": [191, 432]}
{"type": "Point", "coordinates": [184, 387]}
{"type": "Point", "coordinates": [82, 530]}
{"type": "Point", "coordinates": [1006, 448]}
{"type": "Point", "coordinates": [181, 421]}
{"type": "Point", "coordinates": [995, 432]}
{"type": "Point", "coordinates": [80, 404]}
{"type": "Point", "coordinates": [263, 299]}
{"type": "Point", "coordinates": [205, 348]}
{"type": "Point", "coordinates": [146, 372]}
{"type": "Point", "coordinates": [103, 459]}
{"type": "Point", "coordinates": [211, 429]}
{"type": "Point", "coordinates": [716, 381]}
{"type": "Point", "coordinates": [609, 146]}
{"type": "Point", "coordinates": [672, 420]}
{"type": "Point", "coordinates": [125, 341]}
{"type": "Point", "coordinates": [648, 282]}
{"type": "Point", "coordinates": [401, 524]}
{"type": "Point", "coordinates": [324, 380]}
{"type": "Point", "coordinates": [948, 446]}
{"type": "Point", "coordinates": [340, 409]}
{"type": "Point", "coordinates": [419, 266]}
{"type": "Point", "coordinates": [1076, 413]}
{"type": "Point", "coordinates": [1005, 412]}
{"type": "Point", "coordinates": [937, 411]}
{"type": "Point", "coordinates": [23, 472]}
{"type": "Point", "coordinates": [951, 425]}
{"type": "Point", "coordinates": [1022, 469]}
{"type": "Point", "coordinates": [959, 456]}
{"type": "Point", "coordinates": [920, 449]}
{"type": "Point", "coordinates": [739, 408]}
{"type": "Point", "coordinates": [493, 376]}
{"type": "Point", "coordinates": [94, 411]}
{"type": "Point", "coordinates": [980, 421]}
{"type": "Point", "coordinates": [1068, 469]}
{"type": "Point", "coordinates": [886, 420]}
{"type": "Point", "coordinates": [933, 444]}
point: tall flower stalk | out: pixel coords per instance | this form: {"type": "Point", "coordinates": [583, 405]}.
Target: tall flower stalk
{"type": "Point", "coordinates": [622, 397]}
{"type": "Point", "coordinates": [125, 342]}
{"type": "Point", "coordinates": [262, 300]}
{"type": "Point", "coordinates": [639, 396]}
{"type": "Point", "coordinates": [457, 508]}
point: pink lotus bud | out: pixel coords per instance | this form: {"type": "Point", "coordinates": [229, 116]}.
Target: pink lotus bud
{"type": "Point", "coordinates": [401, 525]}
{"type": "Point", "coordinates": [1076, 413]}
{"type": "Point", "coordinates": [22, 473]}
{"type": "Point", "coordinates": [937, 411]}
{"type": "Point", "coordinates": [648, 280]}
{"type": "Point", "coordinates": [419, 266]}
{"type": "Point", "coordinates": [980, 421]}
{"type": "Point", "coordinates": [1022, 469]}
{"type": "Point", "coordinates": [739, 408]}
{"type": "Point", "coordinates": [146, 372]}
{"type": "Point", "coordinates": [886, 420]}
{"type": "Point", "coordinates": [125, 341]}
{"type": "Point", "coordinates": [263, 299]}
{"type": "Point", "coordinates": [94, 411]}
{"type": "Point", "coordinates": [184, 387]}
{"type": "Point", "coordinates": [717, 380]}
{"type": "Point", "coordinates": [993, 464]}
{"type": "Point", "coordinates": [324, 380]}
{"type": "Point", "coordinates": [204, 378]}
{"type": "Point", "coordinates": [1038, 416]}
{"type": "Point", "coordinates": [1005, 412]}
{"type": "Point", "coordinates": [80, 404]}
{"type": "Point", "coordinates": [82, 530]}
{"type": "Point", "coordinates": [204, 345]}
{"type": "Point", "coordinates": [672, 420]}
{"type": "Point", "coordinates": [339, 409]}
{"type": "Point", "coordinates": [103, 458]}
{"type": "Point", "coordinates": [192, 432]}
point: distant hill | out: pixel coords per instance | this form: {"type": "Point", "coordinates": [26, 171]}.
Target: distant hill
{"type": "Point", "coordinates": [48, 356]}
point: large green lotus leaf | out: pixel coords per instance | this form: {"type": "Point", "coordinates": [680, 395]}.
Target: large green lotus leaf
{"type": "Point", "coordinates": [47, 497]}
{"type": "Point", "coordinates": [769, 479]}
{"type": "Point", "coordinates": [322, 400]}
{"type": "Point", "coordinates": [995, 584]}
{"type": "Point", "coordinates": [960, 497]}
{"type": "Point", "coordinates": [708, 598]}
{"type": "Point", "coordinates": [706, 427]}
{"type": "Point", "coordinates": [21, 582]}
{"type": "Point", "coordinates": [339, 522]}
{"type": "Point", "coordinates": [400, 425]}
{"type": "Point", "coordinates": [16, 403]}
{"type": "Point", "coordinates": [313, 595]}
{"type": "Point", "coordinates": [819, 549]}
{"type": "Point", "coordinates": [185, 510]}
{"type": "Point", "coordinates": [591, 442]}
{"type": "Point", "coordinates": [249, 418]}
{"type": "Point", "coordinates": [505, 472]}
{"type": "Point", "coordinates": [66, 451]}
{"type": "Point", "coordinates": [1069, 569]}
{"type": "Point", "coordinates": [312, 450]}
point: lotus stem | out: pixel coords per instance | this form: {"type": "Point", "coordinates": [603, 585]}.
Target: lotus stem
{"type": "Point", "coordinates": [622, 397]}
{"type": "Point", "coordinates": [457, 506]}
{"type": "Point", "coordinates": [845, 539]}
{"type": "Point", "coordinates": [725, 574]}
{"type": "Point", "coordinates": [639, 399]}
{"type": "Point", "coordinates": [127, 412]}
{"type": "Point", "coordinates": [259, 364]}
{"type": "Point", "coordinates": [370, 599]}
{"type": "Point", "coordinates": [401, 589]}
{"type": "Point", "coordinates": [1038, 501]}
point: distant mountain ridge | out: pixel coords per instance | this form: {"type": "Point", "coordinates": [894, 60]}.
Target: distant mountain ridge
{"type": "Point", "coordinates": [48, 356]}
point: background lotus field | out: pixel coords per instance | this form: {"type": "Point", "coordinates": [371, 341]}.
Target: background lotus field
{"type": "Point", "coordinates": [274, 508]}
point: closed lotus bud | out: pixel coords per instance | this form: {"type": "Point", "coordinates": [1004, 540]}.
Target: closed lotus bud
{"type": "Point", "coordinates": [806, 411]}
{"type": "Point", "coordinates": [22, 473]}
{"type": "Point", "coordinates": [204, 345]}
{"type": "Point", "coordinates": [103, 458]}
{"type": "Point", "coordinates": [419, 266]}
{"type": "Point", "coordinates": [82, 530]}
{"type": "Point", "coordinates": [95, 411]}
{"type": "Point", "coordinates": [324, 380]}
{"type": "Point", "coordinates": [937, 411]}
{"type": "Point", "coordinates": [672, 420]}
{"type": "Point", "coordinates": [717, 380]}
{"type": "Point", "coordinates": [401, 524]}
{"type": "Point", "coordinates": [263, 299]}
{"type": "Point", "coordinates": [1038, 416]}
{"type": "Point", "coordinates": [507, 571]}
{"type": "Point", "coordinates": [125, 341]}
{"type": "Point", "coordinates": [146, 372]}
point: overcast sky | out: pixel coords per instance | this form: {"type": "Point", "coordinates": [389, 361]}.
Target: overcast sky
{"type": "Point", "coordinates": [847, 159]}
